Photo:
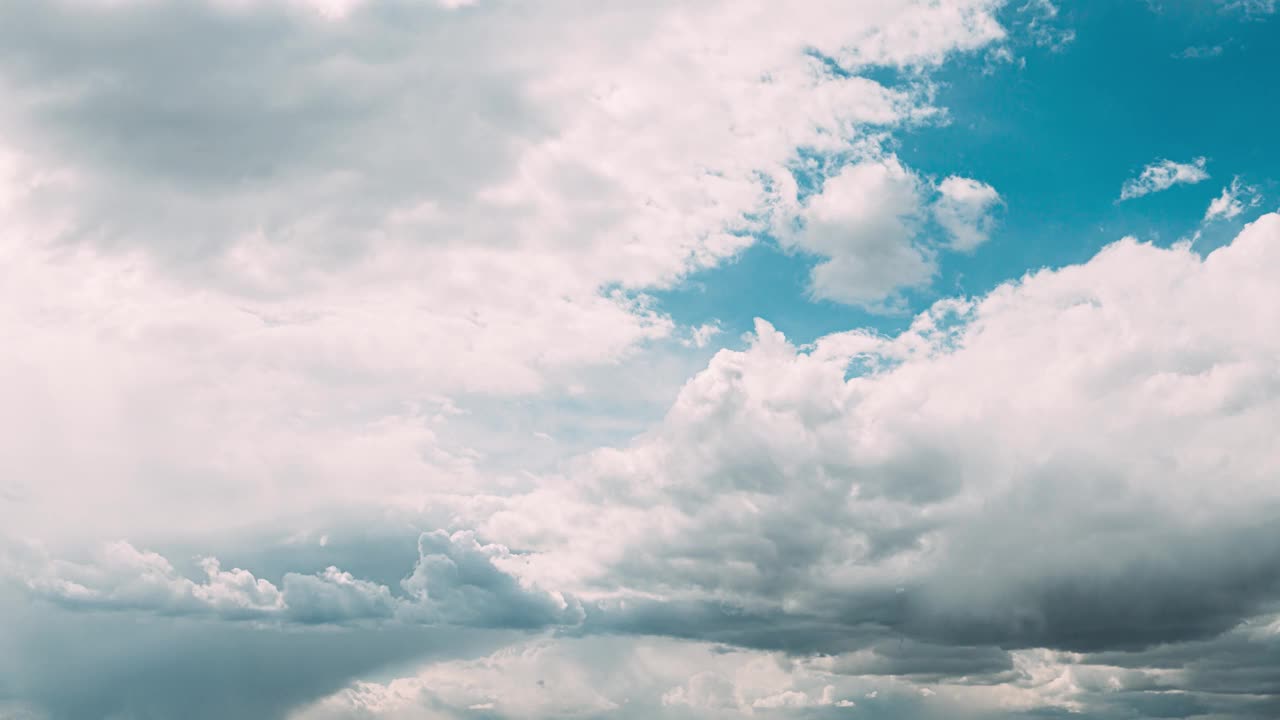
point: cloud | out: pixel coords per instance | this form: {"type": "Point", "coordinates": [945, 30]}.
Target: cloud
{"type": "Point", "coordinates": [618, 677]}
{"type": "Point", "coordinates": [240, 231]}
{"type": "Point", "coordinates": [781, 504]}
{"type": "Point", "coordinates": [456, 581]}
{"type": "Point", "coordinates": [1043, 25]}
{"type": "Point", "coordinates": [864, 221]}
{"type": "Point", "coordinates": [964, 211]}
{"type": "Point", "coordinates": [122, 578]}
{"type": "Point", "coordinates": [1162, 175]}
{"type": "Point", "coordinates": [868, 223]}
{"type": "Point", "coordinates": [842, 500]}
{"type": "Point", "coordinates": [459, 580]}
{"type": "Point", "coordinates": [1250, 8]}
{"type": "Point", "coordinates": [1233, 201]}
{"type": "Point", "coordinates": [335, 596]}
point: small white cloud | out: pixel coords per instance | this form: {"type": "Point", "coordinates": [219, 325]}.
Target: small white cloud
{"type": "Point", "coordinates": [865, 222]}
{"type": "Point", "coordinates": [964, 211]}
{"type": "Point", "coordinates": [1162, 175]}
{"type": "Point", "coordinates": [700, 336]}
{"type": "Point", "coordinates": [1233, 201]}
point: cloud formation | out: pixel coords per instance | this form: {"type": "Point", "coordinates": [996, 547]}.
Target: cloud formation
{"type": "Point", "coordinates": [281, 226]}
{"type": "Point", "coordinates": [778, 494]}
{"type": "Point", "coordinates": [1234, 199]}
{"type": "Point", "coordinates": [347, 380]}
{"type": "Point", "coordinates": [1162, 175]}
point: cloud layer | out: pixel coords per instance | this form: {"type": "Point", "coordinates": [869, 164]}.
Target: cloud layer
{"type": "Point", "coordinates": [346, 379]}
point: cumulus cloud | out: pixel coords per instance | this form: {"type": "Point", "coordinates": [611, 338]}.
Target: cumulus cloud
{"type": "Point", "coordinates": [841, 500]}
{"type": "Point", "coordinates": [121, 577]}
{"type": "Point", "coordinates": [868, 222]}
{"type": "Point", "coordinates": [263, 260]}
{"type": "Point", "coordinates": [1196, 52]}
{"type": "Point", "coordinates": [780, 504]}
{"type": "Point", "coordinates": [457, 579]}
{"type": "Point", "coordinates": [865, 221]}
{"type": "Point", "coordinates": [279, 226]}
{"type": "Point", "coordinates": [1162, 175]}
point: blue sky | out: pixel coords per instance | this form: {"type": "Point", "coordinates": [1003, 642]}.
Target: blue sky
{"type": "Point", "coordinates": [708, 359]}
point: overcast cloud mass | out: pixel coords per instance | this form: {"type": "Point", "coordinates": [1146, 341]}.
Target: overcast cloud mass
{"type": "Point", "coordinates": [463, 359]}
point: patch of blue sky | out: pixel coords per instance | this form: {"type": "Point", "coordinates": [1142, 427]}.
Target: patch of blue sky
{"type": "Point", "coordinates": [1056, 131]}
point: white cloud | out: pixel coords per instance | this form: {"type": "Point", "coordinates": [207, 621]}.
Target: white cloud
{"type": "Point", "coordinates": [122, 578]}
{"type": "Point", "coordinates": [621, 677]}
{"type": "Point", "coordinates": [1233, 201]}
{"type": "Point", "coordinates": [864, 221]}
{"type": "Point", "coordinates": [1162, 175]}
{"type": "Point", "coordinates": [964, 211]}
{"type": "Point", "coordinates": [216, 262]}
{"type": "Point", "coordinates": [867, 222]}
{"type": "Point", "coordinates": [1130, 394]}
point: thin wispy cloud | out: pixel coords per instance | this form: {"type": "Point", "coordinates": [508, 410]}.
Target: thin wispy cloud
{"type": "Point", "coordinates": [1162, 175]}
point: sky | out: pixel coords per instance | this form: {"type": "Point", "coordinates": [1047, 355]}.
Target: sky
{"type": "Point", "coordinates": [489, 360]}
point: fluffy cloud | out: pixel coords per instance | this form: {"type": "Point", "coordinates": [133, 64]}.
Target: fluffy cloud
{"type": "Point", "coordinates": [262, 261]}
{"type": "Point", "coordinates": [844, 500]}
{"type": "Point", "coordinates": [864, 220]}
{"type": "Point", "coordinates": [868, 222]}
{"type": "Point", "coordinates": [121, 577]}
{"type": "Point", "coordinates": [780, 504]}
{"type": "Point", "coordinates": [1162, 175]}
{"type": "Point", "coordinates": [787, 506]}
{"type": "Point", "coordinates": [236, 232]}
{"type": "Point", "coordinates": [459, 580]}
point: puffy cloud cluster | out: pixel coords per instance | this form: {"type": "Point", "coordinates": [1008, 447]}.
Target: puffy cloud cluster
{"type": "Point", "coordinates": [868, 222]}
{"type": "Point", "coordinates": [456, 581]}
{"type": "Point", "coordinates": [845, 504]}
{"type": "Point", "coordinates": [1071, 462]}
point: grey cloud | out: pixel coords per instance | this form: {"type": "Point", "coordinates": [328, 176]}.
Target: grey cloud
{"type": "Point", "coordinates": [925, 662]}
{"type": "Point", "coordinates": [334, 597]}
{"type": "Point", "coordinates": [87, 666]}
{"type": "Point", "coordinates": [457, 581]}
{"type": "Point", "coordinates": [188, 111]}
